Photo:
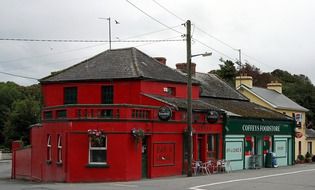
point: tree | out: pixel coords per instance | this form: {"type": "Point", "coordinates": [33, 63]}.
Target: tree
{"type": "Point", "coordinates": [24, 113]}
{"type": "Point", "coordinates": [227, 71]}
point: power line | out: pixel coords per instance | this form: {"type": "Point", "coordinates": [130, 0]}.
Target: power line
{"type": "Point", "coordinates": [84, 41]}
{"type": "Point", "coordinates": [211, 36]}
{"type": "Point", "coordinates": [156, 20]}
{"type": "Point", "coordinates": [20, 76]}
{"type": "Point", "coordinates": [167, 10]}
{"type": "Point", "coordinates": [204, 44]}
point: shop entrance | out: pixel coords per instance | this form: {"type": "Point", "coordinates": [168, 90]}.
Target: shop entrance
{"type": "Point", "coordinates": [259, 152]}
{"type": "Point", "coordinates": [144, 150]}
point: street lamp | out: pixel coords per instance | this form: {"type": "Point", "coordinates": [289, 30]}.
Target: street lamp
{"type": "Point", "coordinates": [189, 97]}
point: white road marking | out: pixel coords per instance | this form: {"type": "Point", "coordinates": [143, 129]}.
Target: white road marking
{"type": "Point", "coordinates": [247, 179]}
{"type": "Point", "coordinates": [123, 185]}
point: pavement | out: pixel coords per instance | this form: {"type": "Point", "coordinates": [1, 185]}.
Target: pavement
{"type": "Point", "coordinates": [301, 177]}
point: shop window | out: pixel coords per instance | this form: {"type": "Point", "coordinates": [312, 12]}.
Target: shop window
{"type": "Point", "coordinates": [170, 91]}
{"type": "Point", "coordinates": [98, 150]}
{"type": "Point", "coordinates": [249, 145]}
{"type": "Point", "coordinates": [212, 151]}
{"type": "Point", "coordinates": [48, 158]}
{"type": "Point", "coordinates": [59, 150]}
{"type": "Point", "coordinates": [70, 95]}
{"type": "Point", "coordinates": [107, 94]}
{"type": "Point", "coordinates": [309, 147]}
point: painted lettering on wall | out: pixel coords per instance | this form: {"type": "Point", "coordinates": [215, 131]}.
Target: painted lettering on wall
{"type": "Point", "coordinates": [261, 128]}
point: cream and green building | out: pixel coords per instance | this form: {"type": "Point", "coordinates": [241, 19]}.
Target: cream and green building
{"type": "Point", "coordinates": [273, 98]}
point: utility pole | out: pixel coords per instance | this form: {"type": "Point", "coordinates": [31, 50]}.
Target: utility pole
{"type": "Point", "coordinates": [189, 99]}
{"type": "Point", "coordinates": [240, 64]}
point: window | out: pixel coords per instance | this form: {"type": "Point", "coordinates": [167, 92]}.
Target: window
{"type": "Point", "coordinates": [61, 114]}
{"type": "Point", "coordinates": [107, 94]}
{"type": "Point", "coordinates": [59, 150]}
{"type": "Point", "coordinates": [309, 147]}
{"type": "Point", "coordinates": [300, 148]}
{"type": "Point", "coordinates": [170, 91]}
{"type": "Point", "coordinates": [98, 150]}
{"type": "Point", "coordinates": [212, 146]}
{"type": "Point", "coordinates": [70, 95]}
{"type": "Point", "coordinates": [48, 115]}
{"type": "Point", "coordinates": [48, 149]}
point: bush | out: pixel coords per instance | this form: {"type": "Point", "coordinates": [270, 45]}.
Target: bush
{"type": "Point", "coordinates": [308, 155]}
{"type": "Point", "coordinates": [301, 157]}
{"type": "Point", "coordinates": [313, 158]}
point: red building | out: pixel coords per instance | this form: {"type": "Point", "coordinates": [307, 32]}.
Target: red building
{"type": "Point", "coordinates": [120, 115]}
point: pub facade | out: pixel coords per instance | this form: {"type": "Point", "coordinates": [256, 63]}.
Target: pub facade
{"type": "Point", "coordinates": [118, 116]}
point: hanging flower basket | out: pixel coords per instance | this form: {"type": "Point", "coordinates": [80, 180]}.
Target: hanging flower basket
{"type": "Point", "coordinates": [97, 137]}
{"type": "Point", "coordinates": [138, 134]}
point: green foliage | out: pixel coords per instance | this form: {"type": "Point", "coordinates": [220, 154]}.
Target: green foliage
{"type": "Point", "coordinates": [299, 88]}
{"type": "Point", "coordinates": [19, 108]}
{"type": "Point", "coordinates": [301, 157]}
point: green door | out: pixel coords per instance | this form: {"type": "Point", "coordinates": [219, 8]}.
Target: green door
{"type": "Point", "coordinates": [144, 157]}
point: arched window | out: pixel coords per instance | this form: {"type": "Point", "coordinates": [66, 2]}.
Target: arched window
{"type": "Point", "coordinates": [59, 150]}
{"type": "Point", "coordinates": [48, 149]}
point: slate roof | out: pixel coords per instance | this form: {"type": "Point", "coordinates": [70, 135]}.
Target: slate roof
{"type": "Point", "coordinates": [244, 109]}
{"type": "Point", "coordinates": [181, 103]}
{"type": "Point", "coordinates": [276, 99]}
{"type": "Point", "coordinates": [310, 133]}
{"type": "Point", "coordinates": [213, 86]}
{"type": "Point", "coordinates": [128, 63]}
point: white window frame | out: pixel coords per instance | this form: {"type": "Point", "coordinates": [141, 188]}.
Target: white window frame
{"type": "Point", "coordinates": [49, 147]}
{"type": "Point", "coordinates": [97, 148]}
{"type": "Point", "coordinates": [59, 149]}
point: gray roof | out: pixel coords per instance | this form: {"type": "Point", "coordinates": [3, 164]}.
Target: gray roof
{"type": "Point", "coordinates": [181, 103]}
{"type": "Point", "coordinates": [310, 133]}
{"type": "Point", "coordinates": [244, 109]}
{"type": "Point", "coordinates": [125, 63]}
{"type": "Point", "coordinates": [213, 86]}
{"type": "Point", "coordinates": [276, 99]}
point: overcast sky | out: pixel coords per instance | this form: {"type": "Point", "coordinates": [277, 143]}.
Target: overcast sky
{"type": "Point", "coordinates": [272, 34]}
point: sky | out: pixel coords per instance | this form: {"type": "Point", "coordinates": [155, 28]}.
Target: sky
{"type": "Point", "coordinates": [272, 34]}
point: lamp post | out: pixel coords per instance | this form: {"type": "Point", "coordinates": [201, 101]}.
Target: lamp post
{"type": "Point", "coordinates": [189, 96]}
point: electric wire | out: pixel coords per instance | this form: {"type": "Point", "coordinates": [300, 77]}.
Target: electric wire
{"type": "Point", "coordinates": [156, 20]}
{"type": "Point", "coordinates": [211, 36]}
{"type": "Point", "coordinates": [84, 41]}
{"type": "Point", "coordinates": [20, 76]}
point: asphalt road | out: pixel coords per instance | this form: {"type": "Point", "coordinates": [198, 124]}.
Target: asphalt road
{"type": "Point", "coordinates": [299, 177]}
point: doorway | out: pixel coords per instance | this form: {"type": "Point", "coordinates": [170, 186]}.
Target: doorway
{"type": "Point", "coordinates": [259, 150]}
{"type": "Point", "coordinates": [144, 150]}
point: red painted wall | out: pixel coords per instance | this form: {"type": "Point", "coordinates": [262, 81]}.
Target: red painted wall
{"type": "Point", "coordinates": [125, 92]}
{"type": "Point", "coordinates": [23, 163]}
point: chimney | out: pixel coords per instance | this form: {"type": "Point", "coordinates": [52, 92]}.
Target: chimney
{"type": "Point", "coordinates": [183, 68]}
{"type": "Point", "coordinates": [162, 60]}
{"type": "Point", "coordinates": [244, 80]}
{"type": "Point", "coordinates": [275, 85]}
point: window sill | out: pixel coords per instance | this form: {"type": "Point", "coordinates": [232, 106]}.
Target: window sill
{"type": "Point", "coordinates": [97, 166]}
{"type": "Point", "coordinates": [59, 163]}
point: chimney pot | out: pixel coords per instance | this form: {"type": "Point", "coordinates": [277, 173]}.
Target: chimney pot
{"type": "Point", "coordinates": [162, 60]}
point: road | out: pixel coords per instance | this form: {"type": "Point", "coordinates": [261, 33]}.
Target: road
{"type": "Point", "coordinates": [298, 177]}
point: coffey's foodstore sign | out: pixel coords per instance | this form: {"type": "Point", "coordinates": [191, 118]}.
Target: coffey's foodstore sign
{"type": "Point", "coordinates": [249, 126]}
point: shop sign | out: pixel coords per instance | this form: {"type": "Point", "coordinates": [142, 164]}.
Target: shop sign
{"type": "Point", "coordinates": [165, 113]}
{"type": "Point", "coordinates": [261, 128]}
{"type": "Point", "coordinates": [298, 135]}
{"type": "Point", "coordinates": [258, 126]}
{"type": "Point", "coordinates": [212, 116]}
